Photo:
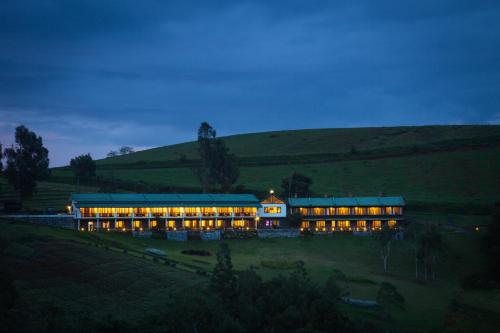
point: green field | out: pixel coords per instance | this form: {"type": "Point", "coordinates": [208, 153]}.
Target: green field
{"type": "Point", "coordinates": [436, 168]}
{"type": "Point", "coordinates": [67, 269]}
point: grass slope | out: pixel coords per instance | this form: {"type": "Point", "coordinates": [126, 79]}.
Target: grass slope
{"type": "Point", "coordinates": [316, 141]}
{"type": "Point", "coordinates": [49, 266]}
{"type": "Point", "coordinates": [57, 271]}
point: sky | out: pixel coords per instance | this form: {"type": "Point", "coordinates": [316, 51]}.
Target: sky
{"type": "Point", "coordinates": [91, 76]}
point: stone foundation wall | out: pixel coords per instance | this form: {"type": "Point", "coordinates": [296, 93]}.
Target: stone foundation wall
{"type": "Point", "coordinates": [180, 236]}
{"type": "Point", "coordinates": [275, 233]}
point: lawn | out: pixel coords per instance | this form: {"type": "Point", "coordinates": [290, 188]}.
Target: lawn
{"type": "Point", "coordinates": [50, 264]}
{"type": "Point", "coordinates": [58, 271]}
{"type": "Point", "coordinates": [459, 179]}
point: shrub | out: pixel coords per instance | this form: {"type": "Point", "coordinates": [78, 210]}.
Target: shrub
{"type": "Point", "coordinates": [192, 252]}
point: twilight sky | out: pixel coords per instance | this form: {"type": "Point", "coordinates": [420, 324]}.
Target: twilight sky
{"type": "Point", "coordinates": [92, 75]}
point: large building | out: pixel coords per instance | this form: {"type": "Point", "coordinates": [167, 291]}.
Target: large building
{"type": "Point", "coordinates": [172, 212]}
{"type": "Point", "coordinates": [348, 213]}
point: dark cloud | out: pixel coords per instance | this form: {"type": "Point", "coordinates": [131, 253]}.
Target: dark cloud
{"type": "Point", "coordinates": [92, 75]}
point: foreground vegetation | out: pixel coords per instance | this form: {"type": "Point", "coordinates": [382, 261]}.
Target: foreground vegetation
{"type": "Point", "coordinates": [87, 277]}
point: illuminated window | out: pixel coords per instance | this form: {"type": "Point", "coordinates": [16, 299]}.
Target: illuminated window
{"type": "Point", "coordinates": [158, 211]}
{"type": "Point", "coordinates": [239, 223]}
{"type": "Point", "coordinates": [376, 225]}
{"type": "Point", "coordinates": [154, 224]}
{"type": "Point", "coordinates": [119, 224]}
{"type": "Point", "coordinates": [374, 211]}
{"type": "Point", "coordinates": [304, 211]}
{"type": "Point", "coordinates": [171, 224]}
{"type": "Point", "coordinates": [208, 211]}
{"type": "Point", "coordinates": [191, 211]}
{"type": "Point", "coordinates": [343, 225]}
{"type": "Point", "coordinates": [174, 211]}
{"type": "Point", "coordinates": [359, 211]}
{"type": "Point", "coordinates": [137, 224]}
{"type": "Point", "coordinates": [391, 223]}
{"type": "Point", "coordinates": [220, 223]}
{"type": "Point", "coordinates": [320, 225]}
{"type": "Point", "coordinates": [304, 225]}
{"type": "Point", "coordinates": [398, 210]}
{"type": "Point", "coordinates": [331, 211]}
{"type": "Point", "coordinates": [224, 211]}
{"type": "Point", "coordinates": [318, 211]}
{"type": "Point", "coordinates": [105, 225]}
{"type": "Point", "coordinates": [272, 210]}
{"type": "Point", "coordinates": [124, 211]}
{"type": "Point", "coordinates": [361, 225]}
{"type": "Point", "coordinates": [343, 211]}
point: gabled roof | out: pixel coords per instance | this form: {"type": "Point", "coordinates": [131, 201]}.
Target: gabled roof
{"type": "Point", "coordinates": [272, 199]}
{"type": "Point", "coordinates": [164, 200]}
{"type": "Point", "coordinates": [346, 201]}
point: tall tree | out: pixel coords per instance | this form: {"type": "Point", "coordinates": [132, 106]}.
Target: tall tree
{"type": "Point", "coordinates": [218, 168]}
{"type": "Point", "coordinates": [431, 246]}
{"type": "Point", "coordinates": [385, 238]}
{"type": "Point", "coordinates": [206, 138]}
{"type": "Point", "coordinates": [27, 161]}
{"type": "Point", "coordinates": [296, 185]}
{"type": "Point", "coordinates": [83, 167]}
{"type": "Point", "coordinates": [223, 280]}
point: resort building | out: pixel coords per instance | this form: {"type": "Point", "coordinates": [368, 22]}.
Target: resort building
{"type": "Point", "coordinates": [163, 212]}
{"type": "Point", "coordinates": [208, 212]}
{"type": "Point", "coordinates": [272, 213]}
{"type": "Point", "coordinates": [348, 213]}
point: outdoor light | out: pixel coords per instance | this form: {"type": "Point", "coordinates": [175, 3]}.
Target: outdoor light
{"type": "Point", "coordinates": [271, 191]}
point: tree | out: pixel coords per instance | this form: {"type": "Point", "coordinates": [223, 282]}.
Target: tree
{"type": "Point", "coordinates": [27, 161]}
{"type": "Point", "coordinates": [125, 150]}
{"type": "Point", "coordinates": [223, 280]}
{"type": "Point", "coordinates": [112, 153]}
{"type": "Point", "coordinates": [83, 166]}
{"type": "Point", "coordinates": [431, 245]}
{"type": "Point", "coordinates": [217, 167]}
{"type": "Point", "coordinates": [385, 237]}
{"type": "Point", "coordinates": [1, 164]}
{"type": "Point", "coordinates": [295, 219]}
{"type": "Point", "coordinates": [296, 185]}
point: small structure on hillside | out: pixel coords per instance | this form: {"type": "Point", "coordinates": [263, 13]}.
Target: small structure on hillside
{"type": "Point", "coordinates": [272, 213]}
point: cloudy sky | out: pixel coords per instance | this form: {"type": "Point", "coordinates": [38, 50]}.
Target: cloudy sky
{"type": "Point", "coordinates": [93, 75]}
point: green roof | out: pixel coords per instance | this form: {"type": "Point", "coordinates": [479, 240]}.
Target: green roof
{"type": "Point", "coordinates": [346, 201]}
{"type": "Point", "coordinates": [164, 200]}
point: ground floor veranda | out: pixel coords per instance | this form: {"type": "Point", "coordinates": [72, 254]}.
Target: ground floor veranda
{"type": "Point", "coordinates": [348, 225]}
{"type": "Point", "coordinates": [162, 224]}
{"type": "Point", "coordinates": [150, 224]}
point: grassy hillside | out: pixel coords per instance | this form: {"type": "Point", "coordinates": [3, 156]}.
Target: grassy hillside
{"type": "Point", "coordinates": [452, 168]}
{"type": "Point", "coordinates": [319, 141]}
{"type": "Point", "coordinates": [49, 265]}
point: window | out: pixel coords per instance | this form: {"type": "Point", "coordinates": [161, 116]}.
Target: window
{"type": "Point", "coordinates": [191, 211]}
{"type": "Point", "coordinates": [318, 211]}
{"type": "Point", "coordinates": [398, 210]}
{"type": "Point", "coordinates": [304, 211]}
{"type": "Point", "coordinates": [158, 211]}
{"type": "Point", "coordinates": [220, 224]}
{"type": "Point", "coordinates": [239, 223]}
{"type": "Point", "coordinates": [224, 211]}
{"type": "Point", "coordinates": [208, 211]}
{"type": "Point", "coordinates": [119, 224]}
{"type": "Point", "coordinates": [374, 211]}
{"type": "Point", "coordinates": [174, 211]}
{"type": "Point", "coordinates": [171, 224]}
{"type": "Point", "coordinates": [343, 210]}
{"type": "Point", "coordinates": [359, 211]}
{"type": "Point", "coordinates": [320, 225]}
{"type": "Point", "coordinates": [272, 210]}
{"type": "Point", "coordinates": [361, 225]}
{"type": "Point", "coordinates": [343, 225]}
{"type": "Point", "coordinates": [124, 211]}
{"type": "Point", "coordinates": [137, 224]}
{"type": "Point", "coordinates": [304, 225]}
{"type": "Point", "coordinates": [154, 224]}
{"type": "Point", "coordinates": [391, 223]}
{"type": "Point", "coordinates": [377, 225]}
{"type": "Point", "coordinates": [140, 211]}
